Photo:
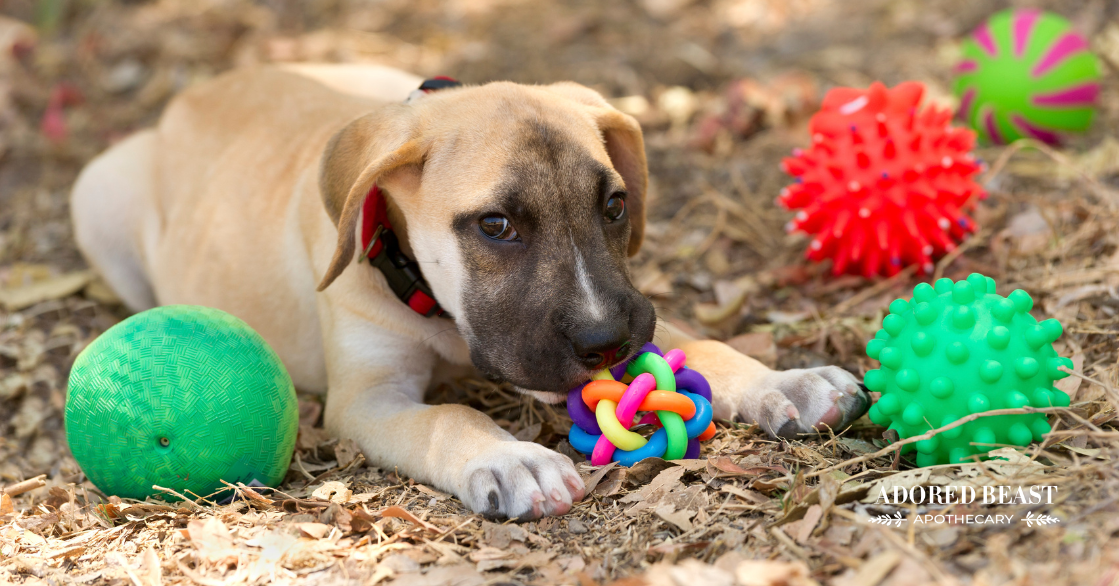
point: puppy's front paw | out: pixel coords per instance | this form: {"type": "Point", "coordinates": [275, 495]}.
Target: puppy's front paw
{"type": "Point", "coordinates": [810, 400]}
{"type": "Point", "coordinates": [520, 480]}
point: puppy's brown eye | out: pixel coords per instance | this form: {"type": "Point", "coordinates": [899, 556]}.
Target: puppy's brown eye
{"type": "Point", "coordinates": [498, 227]}
{"type": "Point", "coordinates": [615, 207]}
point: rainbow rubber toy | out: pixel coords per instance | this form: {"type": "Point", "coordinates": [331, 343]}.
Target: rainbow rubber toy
{"type": "Point", "coordinates": [1026, 73]}
{"type": "Point", "coordinates": [182, 397]}
{"type": "Point", "coordinates": [884, 185]}
{"type": "Point", "coordinates": [677, 398]}
{"type": "Point", "coordinates": [960, 348]}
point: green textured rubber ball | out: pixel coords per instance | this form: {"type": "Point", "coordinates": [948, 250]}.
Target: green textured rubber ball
{"type": "Point", "coordinates": [182, 397]}
{"type": "Point", "coordinates": [960, 348]}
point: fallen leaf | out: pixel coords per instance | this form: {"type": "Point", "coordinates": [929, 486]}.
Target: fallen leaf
{"type": "Point", "coordinates": [346, 451]}
{"type": "Point", "coordinates": [612, 484]}
{"type": "Point", "coordinates": [681, 519]}
{"type": "Point", "coordinates": [401, 513]}
{"type": "Point", "coordinates": [501, 536]}
{"type": "Point", "coordinates": [6, 507]}
{"type": "Point", "coordinates": [1071, 383]}
{"type": "Point", "coordinates": [52, 288]}
{"type": "Point", "coordinates": [151, 570]}
{"type": "Point", "coordinates": [747, 495]}
{"type": "Point", "coordinates": [273, 544]}
{"type": "Point", "coordinates": [529, 433]}
{"type": "Point", "coordinates": [808, 523]}
{"type": "Point", "coordinates": [212, 539]}
{"type": "Point", "coordinates": [435, 494]}
{"type": "Point", "coordinates": [334, 492]}
{"type": "Point", "coordinates": [772, 573]}
{"type": "Point", "coordinates": [590, 482]}
{"type": "Point", "coordinates": [313, 530]}
{"type": "Point", "coordinates": [757, 345]}
{"type": "Point", "coordinates": [874, 570]}
{"type": "Point", "coordinates": [644, 471]}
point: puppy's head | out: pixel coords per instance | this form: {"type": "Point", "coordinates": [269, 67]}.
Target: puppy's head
{"type": "Point", "coordinates": [521, 204]}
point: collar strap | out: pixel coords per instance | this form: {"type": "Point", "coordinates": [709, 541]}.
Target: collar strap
{"type": "Point", "coordinates": [382, 247]}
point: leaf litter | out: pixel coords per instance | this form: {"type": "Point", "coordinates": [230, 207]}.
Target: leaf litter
{"type": "Point", "coordinates": [753, 511]}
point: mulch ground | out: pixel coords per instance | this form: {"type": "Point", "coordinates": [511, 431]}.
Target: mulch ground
{"type": "Point", "coordinates": [723, 89]}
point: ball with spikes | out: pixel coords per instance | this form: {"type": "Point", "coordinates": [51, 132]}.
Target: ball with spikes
{"type": "Point", "coordinates": [884, 184]}
{"type": "Point", "coordinates": [957, 349]}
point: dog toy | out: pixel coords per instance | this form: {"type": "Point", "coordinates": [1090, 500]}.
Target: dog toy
{"type": "Point", "coordinates": [960, 348]}
{"type": "Point", "coordinates": [677, 398]}
{"type": "Point", "coordinates": [883, 185]}
{"type": "Point", "coordinates": [182, 397]}
{"type": "Point", "coordinates": [1027, 73]}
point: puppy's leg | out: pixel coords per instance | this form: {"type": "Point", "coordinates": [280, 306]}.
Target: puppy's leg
{"type": "Point", "coordinates": [376, 383]}
{"type": "Point", "coordinates": [785, 403]}
{"type": "Point", "coordinates": [113, 210]}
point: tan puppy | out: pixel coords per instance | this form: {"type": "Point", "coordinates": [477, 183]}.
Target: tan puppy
{"type": "Point", "coordinates": [521, 204]}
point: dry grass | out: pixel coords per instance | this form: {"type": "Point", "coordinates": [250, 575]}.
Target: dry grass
{"type": "Point", "coordinates": [754, 511]}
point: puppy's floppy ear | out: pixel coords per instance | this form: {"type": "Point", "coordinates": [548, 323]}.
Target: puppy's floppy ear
{"type": "Point", "coordinates": [358, 156]}
{"type": "Point", "coordinates": [625, 145]}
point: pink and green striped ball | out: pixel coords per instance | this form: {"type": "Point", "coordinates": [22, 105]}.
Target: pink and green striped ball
{"type": "Point", "coordinates": [1026, 74]}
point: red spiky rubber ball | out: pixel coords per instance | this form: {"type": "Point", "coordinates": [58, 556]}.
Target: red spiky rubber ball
{"type": "Point", "coordinates": [885, 184]}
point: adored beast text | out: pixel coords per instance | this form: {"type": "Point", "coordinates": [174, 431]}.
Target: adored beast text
{"type": "Point", "coordinates": [950, 495]}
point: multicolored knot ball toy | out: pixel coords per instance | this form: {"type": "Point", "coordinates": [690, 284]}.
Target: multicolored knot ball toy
{"type": "Point", "coordinates": [182, 397]}
{"type": "Point", "coordinates": [960, 348]}
{"type": "Point", "coordinates": [883, 185]}
{"type": "Point", "coordinates": [677, 398]}
{"type": "Point", "coordinates": [1026, 73]}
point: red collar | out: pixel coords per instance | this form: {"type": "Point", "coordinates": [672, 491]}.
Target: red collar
{"type": "Point", "coordinates": [383, 249]}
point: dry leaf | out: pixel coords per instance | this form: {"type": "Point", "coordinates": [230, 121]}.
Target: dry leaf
{"type": "Point", "coordinates": [334, 492]}
{"type": "Point", "coordinates": [212, 540]}
{"type": "Point", "coordinates": [501, 536]}
{"type": "Point", "coordinates": [1071, 383]}
{"type": "Point", "coordinates": [874, 570]}
{"type": "Point", "coordinates": [773, 573]}
{"type": "Point", "coordinates": [346, 451]}
{"type": "Point", "coordinates": [808, 523]}
{"type": "Point", "coordinates": [151, 571]}
{"type": "Point", "coordinates": [313, 530]}
{"type": "Point", "coordinates": [273, 544]}
{"type": "Point", "coordinates": [748, 495]}
{"type": "Point", "coordinates": [529, 433]}
{"type": "Point", "coordinates": [590, 482]}
{"type": "Point", "coordinates": [612, 484]}
{"type": "Point", "coordinates": [52, 288]}
{"type": "Point", "coordinates": [681, 519]}
{"type": "Point", "coordinates": [757, 345]}
{"type": "Point", "coordinates": [6, 507]}
{"type": "Point", "coordinates": [400, 513]}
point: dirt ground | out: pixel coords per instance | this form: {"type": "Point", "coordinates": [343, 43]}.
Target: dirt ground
{"type": "Point", "coordinates": [723, 89]}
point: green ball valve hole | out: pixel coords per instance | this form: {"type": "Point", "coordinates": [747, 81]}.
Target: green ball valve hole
{"type": "Point", "coordinates": [164, 442]}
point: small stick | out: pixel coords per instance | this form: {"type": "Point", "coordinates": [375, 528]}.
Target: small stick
{"type": "Point", "coordinates": [176, 493]}
{"type": "Point", "coordinates": [873, 290]}
{"type": "Point", "coordinates": [897, 445]}
{"type": "Point", "coordinates": [25, 486]}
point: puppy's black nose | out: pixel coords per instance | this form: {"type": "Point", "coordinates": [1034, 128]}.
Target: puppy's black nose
{"type": "Point", "coordinates": [597, 347]}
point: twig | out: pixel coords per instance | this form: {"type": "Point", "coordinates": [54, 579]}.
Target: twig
{"type": "Point", "coordinates": [1108, 195]}
{"type": "Point", "coordinates": [25, 486]}
{"type": "Point", "coordinates": [789, 543]}
{"type": "Point", "coordinates": [176, 493]}
{"type": "Point", "coordinates": [957, 423]}
{"type": "Point", "coordinates": [869, 292]}
{"type": "Point", "coordinates": [951, 257]}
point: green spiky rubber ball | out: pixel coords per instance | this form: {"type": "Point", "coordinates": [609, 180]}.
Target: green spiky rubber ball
{"type": "Point", "coordinates": [182, 397]}
{"type": "Point", "coordinates": [957, 349]}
